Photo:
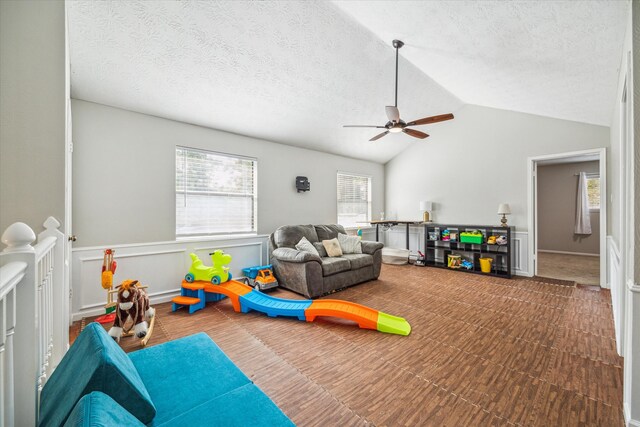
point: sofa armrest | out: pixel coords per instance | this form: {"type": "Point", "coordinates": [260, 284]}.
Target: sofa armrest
{"type": "Point", "coordinates": [294, 255]}
{"type": "Point", "coordinates": [371, 247]}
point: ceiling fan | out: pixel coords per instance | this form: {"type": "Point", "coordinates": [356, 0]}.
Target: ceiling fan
{"type": "Point", "coordinates": [395, 123]}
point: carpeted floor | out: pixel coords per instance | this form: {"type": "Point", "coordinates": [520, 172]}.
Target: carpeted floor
{"type": "Point", "coordinates": [483, 351]}
{"type": "Point", "coordinates": [578, 268]}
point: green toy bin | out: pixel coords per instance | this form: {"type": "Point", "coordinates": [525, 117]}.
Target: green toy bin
{"type": "Point", "coordinates": [470, 238]}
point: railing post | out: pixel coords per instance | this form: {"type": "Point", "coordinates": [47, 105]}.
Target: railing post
{"type": "Point", "coordinates": [60, 292]}
{"type": "Point", "coordinates": [22, 332]}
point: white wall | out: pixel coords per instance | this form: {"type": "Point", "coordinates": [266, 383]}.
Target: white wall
{"type": "Point", "coordinates": [625, 233]}
{"type": "Point", "coordinates": [478, 160]}
{"type": "Point", "coordinates": [124, 176]}
{"type": "Point", "coordinates": [32, 111]}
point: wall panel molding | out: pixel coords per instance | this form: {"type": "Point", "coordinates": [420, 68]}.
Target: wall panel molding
{"type": "Point", "coordinates": [160, 266]}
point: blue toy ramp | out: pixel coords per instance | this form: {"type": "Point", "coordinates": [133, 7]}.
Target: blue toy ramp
{"type": "Point", "coordinates": [272, 306]}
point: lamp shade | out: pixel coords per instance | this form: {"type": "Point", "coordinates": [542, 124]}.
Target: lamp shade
{"type": "Point", "coordinates": [426, 206]}
{"type": "Point", "coordinates": [504, 209]}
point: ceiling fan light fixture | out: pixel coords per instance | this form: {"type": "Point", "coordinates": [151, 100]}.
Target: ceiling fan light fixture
{"type": "Point", "coordinates": [395, 123]}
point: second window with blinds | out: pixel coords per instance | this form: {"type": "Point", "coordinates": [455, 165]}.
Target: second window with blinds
{"type": "Point", "coordinates": [354, 199]}
{"type": "Point", "coordinates": [215, 193]}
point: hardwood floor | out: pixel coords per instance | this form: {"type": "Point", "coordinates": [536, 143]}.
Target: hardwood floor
{"type": "Point", "coordinates": [482, 351]}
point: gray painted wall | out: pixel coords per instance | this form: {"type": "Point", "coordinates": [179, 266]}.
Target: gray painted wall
{"type": "Point", "coordinates": [478, 160]}
{"type": "Point", "coordinates": [124, 176]}
{"type": "Point", "coordinates": [557, 187]}
{"type": "Point", "coordinates": [32, 112]}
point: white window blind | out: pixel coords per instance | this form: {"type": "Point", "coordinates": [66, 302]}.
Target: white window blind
{"type": "Point", "coordinates": [215, 193]}
{"type": "Point", "coordinates": [354, 199]}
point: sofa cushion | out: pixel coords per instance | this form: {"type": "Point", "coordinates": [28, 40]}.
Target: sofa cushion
{"type": "Point", "coordinates": [94, 363]}
{"type": "Point", "coordinates": [335, 265]}
{"type": "Point", "coordinates": [288, 236]}
{"type": "Point", "coordinates": [359, 260]}
{"type": "Point", "coordinates": [306, 246]}
{"type": "Point", "coordinates": [97, 409]}
{"type": "Point", "coordinates": [328, 232]}
{"type": "Point", "coordinates": [332, 247]}
{"type": "Point", "coordinates": [320, 248]}
{"type": "Point", "coordinates": [185, 373]}
{"type": "Point", "coordinates": [244, 406]}
{"type": "Point", "coordinates": [349, 244]}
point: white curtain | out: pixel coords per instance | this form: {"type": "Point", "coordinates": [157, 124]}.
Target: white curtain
{"type": "Point", "coordinates": [583, 218]}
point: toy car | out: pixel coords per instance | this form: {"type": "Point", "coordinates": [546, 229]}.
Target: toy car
{"type": "Point", "coordinates": [261, 277]}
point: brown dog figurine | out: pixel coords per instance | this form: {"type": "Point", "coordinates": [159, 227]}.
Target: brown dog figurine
{"type": "Point", "coordinates": [132, 302]}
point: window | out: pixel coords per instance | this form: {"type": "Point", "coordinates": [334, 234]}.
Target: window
{"type": "Point", "coordinates": [215, 193]}
{"type": "Point", "coordinates": [593, 191]}
{"type": "Point", "coordinates": [354, 199]}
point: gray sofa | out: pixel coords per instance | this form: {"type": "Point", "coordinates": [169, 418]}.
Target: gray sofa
{"type": "Point", "coordinates": [312, 276]}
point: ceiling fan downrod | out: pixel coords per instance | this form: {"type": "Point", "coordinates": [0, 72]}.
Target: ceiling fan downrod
{"type": "Point", "coordinates": [397, 44]}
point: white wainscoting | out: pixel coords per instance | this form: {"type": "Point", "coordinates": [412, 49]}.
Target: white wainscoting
{"type": "Point", "coordinates": [616, 284]}
{"type": "Point", "coordinates": [160, 265]}
{"type": "Point", "coordinates": [396, 237]}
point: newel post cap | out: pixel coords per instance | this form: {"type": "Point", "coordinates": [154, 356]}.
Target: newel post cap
{"type": "Point", "coordinates": [18, 238]}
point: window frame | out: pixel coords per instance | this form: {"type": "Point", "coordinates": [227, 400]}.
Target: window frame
{"type": "Point", "coordinates": [197, 236]}
{"type": "Point", "coordinates": [594, 175]}
{"type": "Point", "coordinates": [369, 198]}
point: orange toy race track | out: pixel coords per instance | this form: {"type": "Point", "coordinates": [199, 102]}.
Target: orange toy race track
{"type": "Point", "coordinates": [244, 299]}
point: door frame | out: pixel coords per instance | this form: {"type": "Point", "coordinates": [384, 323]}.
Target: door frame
{"type": "Point", "coordinates": [532, 197]}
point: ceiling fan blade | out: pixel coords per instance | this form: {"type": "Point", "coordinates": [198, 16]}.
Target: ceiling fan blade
{"type": "Point", "coordinates": [415, 133]}
{"type": "Point", "coordinates": [380, 135]}
{"type": "Point", "coordinates": [432, 119]}
{"type": "Point", "coordinates": [393, 114]}
{"type": "Point", "coordinates": [363, 126]}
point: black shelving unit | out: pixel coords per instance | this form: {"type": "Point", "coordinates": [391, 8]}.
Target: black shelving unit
{"type": "Point", "coordinates": [437, 250]}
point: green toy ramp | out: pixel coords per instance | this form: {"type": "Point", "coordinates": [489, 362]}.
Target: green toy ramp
{"type": "Point", "coordinates": [393, 324]}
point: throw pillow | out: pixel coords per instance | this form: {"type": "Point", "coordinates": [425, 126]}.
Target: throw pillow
{"type": "Point", "coordinates": [305, 245]}
{"type": "Point", "coordinates": [333, 247]}
{"type": "Point", "coordinates": [320, 248]}
{"type": "Point", "coordinates": [350, 244]}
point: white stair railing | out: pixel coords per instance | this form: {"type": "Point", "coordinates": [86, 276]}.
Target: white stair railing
{"type": "Point", "coordinates": [34, 318]}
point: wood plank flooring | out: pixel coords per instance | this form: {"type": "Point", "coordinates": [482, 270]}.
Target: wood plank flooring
{"type": "Point", "coordinates": [483, 351]}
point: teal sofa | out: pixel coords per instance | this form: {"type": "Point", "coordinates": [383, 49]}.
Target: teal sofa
{"type": "Point", "coordinates": [186, 382]}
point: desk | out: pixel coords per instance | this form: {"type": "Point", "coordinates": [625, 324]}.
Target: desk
{"type": "Point", "coordinates": [391, 223]}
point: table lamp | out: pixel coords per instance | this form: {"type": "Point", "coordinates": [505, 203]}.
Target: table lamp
{"type": "Point", "coordinates": [426, 207]}
{"type": "Point", "coordinates": [504, 210]}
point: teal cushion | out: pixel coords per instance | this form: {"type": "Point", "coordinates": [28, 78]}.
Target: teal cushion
{"type": "Point", "coordinates": [99, 410]}
{"type": "Point", "coordinates": [244, 406]}
{"type": "Point", "coordinates": [185, 373]}
{"type": "Point", "coordinates": [94, 363]}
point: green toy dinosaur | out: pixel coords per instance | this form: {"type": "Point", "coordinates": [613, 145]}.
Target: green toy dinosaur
{"type": "Point", "coordinates": [217, 273]}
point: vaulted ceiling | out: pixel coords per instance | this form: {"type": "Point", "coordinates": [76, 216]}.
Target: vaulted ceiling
{"type": "Point", "coordinates": [295, 71]}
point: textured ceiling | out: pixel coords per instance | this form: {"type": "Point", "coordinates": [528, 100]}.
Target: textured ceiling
{"type": "Point", "coordinates": [295, 71]}
{"type": "Point", "coordinates": [292, 72]}
{"type": "Point", "coordinates": [552, 58]}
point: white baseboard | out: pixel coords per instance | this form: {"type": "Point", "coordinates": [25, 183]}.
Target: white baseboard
{"type": "Point", "coordinates": [567, 252]}
{"type": "Point", "coordinates": [97, 311]}
{"type": "Point", "coordinates": [629, 422]}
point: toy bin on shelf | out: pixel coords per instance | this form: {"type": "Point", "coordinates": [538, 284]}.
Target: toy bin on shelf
{"type": "Point", "coordinates": [470, 238]}
{"type": "Point", "coordinates": [485, 265]}
{"type": "Point", "coordinates": [454, 261]}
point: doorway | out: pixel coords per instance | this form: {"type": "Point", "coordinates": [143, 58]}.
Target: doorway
{"type": "Point", "coordinates": [556, 250]}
